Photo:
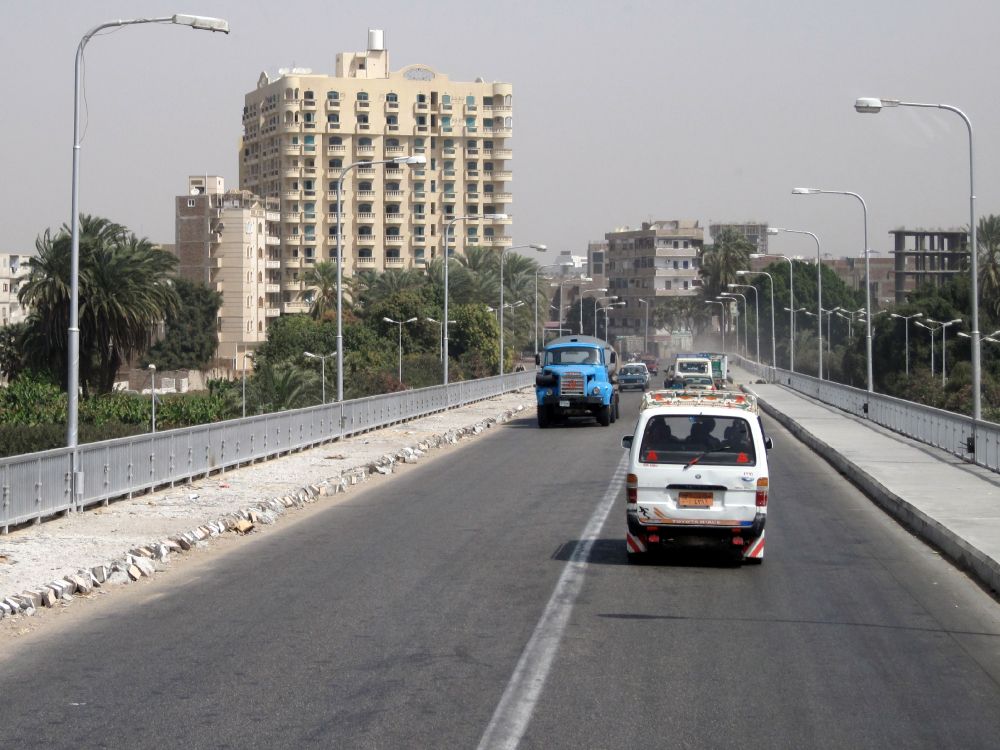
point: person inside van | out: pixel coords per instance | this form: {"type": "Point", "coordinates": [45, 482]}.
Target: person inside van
{"type": "Point", "coordinates": [701, 437]}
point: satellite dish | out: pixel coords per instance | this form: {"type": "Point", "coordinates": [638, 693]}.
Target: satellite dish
{"type": "Point", "coordinates": [195, 191]}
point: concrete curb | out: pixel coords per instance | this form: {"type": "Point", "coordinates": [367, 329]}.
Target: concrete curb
{"type": "Point", "coordinates": [978, 564]}
{"type": "Point", "coordinates": [146, 560]}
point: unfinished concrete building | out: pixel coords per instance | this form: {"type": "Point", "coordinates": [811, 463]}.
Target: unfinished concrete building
{"type": "Point", "coordinates": [923, 255]}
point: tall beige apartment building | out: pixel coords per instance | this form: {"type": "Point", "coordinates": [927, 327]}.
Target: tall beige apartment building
{"type": "Point", "coordinates": [301, 130]}
{"type": "Point", "coordinates": [229, 242]}
{"type": "Point", "coordinates": [660, 259]}
{"type": "Point", "coordinates": [13, 271]}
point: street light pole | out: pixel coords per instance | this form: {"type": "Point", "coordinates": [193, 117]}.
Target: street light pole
{"type": "Point", "coordinates": [538, 271]}
{"type": "Point", "coordinates": [418, 159]}
{"type": "Point", "coordinates": [869, 105]}
{"type": "Point", "coordinates": [791, 299]}
{"type": "Point", "coordinates": [932, 332]}
{"type": "Point", "coordinates": [746, 309]}
{"type": "Point", "coordinates": [868, 274]}
{"type": "Point", "coordinates": [245, 355]}
{"type": "Point", "coordinates": [152, 391]}
{"type": "Point", "coordinates": [756, 307]}
{"type": "Point", "coordinates": [583, 292]}
{"type": "Point", "coordinates": [322, 363]}
{"type": "Point", "coordinates": [447, 254]}
{"type": "Point", "coordinates": [600, 299]}
{"type": "Point", "coordinates": [722, 319]}
{"type": "Point", "coordinates": [944, 368]}
{"type": "Point", "coordinates": [645, 332]}
{"type": "Point", "coordinates": [774, 349]}
{"type": "Point", "coordinates": [400, 324]}
{"type": "Point", "coordinates": [819, 289]}
{"type": "Point", "coordinates": [203, 23]}
{"type": "Point", "coordinates": [906, 327]}
{"type": "Point", "coordinates": [540, 248]}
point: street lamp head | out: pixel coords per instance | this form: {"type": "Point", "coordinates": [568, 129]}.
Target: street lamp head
{"type": "Point", "coordinates": [151, 366]}
{"type": "Point", "coordinates": [964, 335]}
{"type": "Point", "coordinates": [411, 320]}
{"type": "Point", "coordinates": [205, 23]}
{"type": "Point", "coordinates": [310, 354]}
{"type": "Point", "coordinates": [495, 217]}
{"type": "Point", "coordinates": [868, 105]}
{"type": "Point", "coordinates": [804, 191]}
{"type": "Point", "coordinates": [430, 320]}
{"type": "Point", "coordinates": [756, 256]}
{"type": "Point", "coordinates": [390, 320]}
{"type": "Point", "coordinates": [415, 159]}
{"type": "Point", "coordinates": [953, 322]}
{"type": "Point", "coordinates": [540, 248]}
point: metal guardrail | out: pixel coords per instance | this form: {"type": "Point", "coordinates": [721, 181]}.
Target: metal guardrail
{"type": "Point", "coordinates": [36, 485]}
{"type": "Point", "coordinates": [954, 433]}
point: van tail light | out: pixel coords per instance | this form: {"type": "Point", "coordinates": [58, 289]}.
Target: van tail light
{"type": "Point", "coordinates": [632, 488]}
{"type": "Point", "coordinates": [762, 492]}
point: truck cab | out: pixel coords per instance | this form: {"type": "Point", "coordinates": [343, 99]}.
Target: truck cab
{"type": "Point", "coordinates": [578, 377]}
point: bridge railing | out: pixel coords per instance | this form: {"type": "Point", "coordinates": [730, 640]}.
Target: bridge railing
{"type": "Point", "coordinates": [971, 440]}
{"type": "Point", "coordinates": [36, 485]}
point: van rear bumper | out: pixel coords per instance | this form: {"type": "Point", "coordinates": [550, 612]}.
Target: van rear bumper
{"type": "Point", "coordinates": [688, 532]}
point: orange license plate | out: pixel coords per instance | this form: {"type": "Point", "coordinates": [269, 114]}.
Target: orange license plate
{"type": "Point", "coordinates": [695, 499]}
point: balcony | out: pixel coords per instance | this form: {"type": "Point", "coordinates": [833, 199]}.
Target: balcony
{"type": "Point", "coordinates": [392, 106]}
{"type": "Point", "coordinates": [497, 108]}
{"type": "Point", "coordinates": [366, 171]}
{"type": "Point", "coordinates": [392, 128]}
{"type": "Point", "coordinates": [419, 218]}
{"type": "Point", "coordinates": [291, 150]}
{"type": "Point", "coordinates": [393, 172]}
{"type": "Point", "coordinates": [366, 260]}
{"type": "Point", "coordinates": [395, 218]}
{"type": "Point", "coordinates": [393, 194]}
{"type": "Point", "coordinates": [271, 214]}
{"type": "Point", "coordinates": [336, 148]}
{"type": "Point", "coordinates": [421, 106]}
{"type": "Point", "coordinates": [394, 239]}
{"type": "Point", "coordinates": [364, 149]}
{"type": "Point", "coordinates": [471, 129]}
{"type": "Point", "coordinates": [362, 104]}
{"type": "Point", "coordinates": [291, 172]}
{"type": "Point", "coordinates": [333, 103]}
{"type": "Point", "coordinates": [272, 263]}
{"type": "Point", "coordinates": [292, 218]}
{"type": "Point", "coordinates": [365, 218]}
{"type": "Point", "coordinates": [474, 197]}
{"type": "Point", "coordinates": [364, 194]}
{"type": "Point", "coordinates": [332, 217]}
{"type": "Point", "coordinates": [332, 126]}
{"type": "Point", "coordinates": [449, 151]}
{"type": "Point", "coordinates": [272, 240]}
{"type": "Point", "coordinates": [395, 261]}
{"type": "Point", "coordinates": [472, 151]}
{"type": "Point", "coordinates": [394, 150]}
{"type": "Point", "coordinates": [418, 239]}
{"type": "Point", "coordinates": [291, 285]}
{"type": "Point", "coordinates": [365, 239]}
{"type": "Point", "coordinates": [272, 312]}
{"type": "Point", "coordinates": [291, 195]}
{"type": "Point", "coordinates": [499, 153]}
{"type": "Point", "coordinates": [295, 307]}
{"type": "Point", "coordinates": [499, 132]}
{"type": "Point", "coordinates": [471, 108]}
{"type": "Point", "coordinates": [500, 241]}
{"type": "Point", "coordinates": [501, 197]}
{"type": "Point", "coordinates": [272, 288]}
{"type": "Point", "coordinates": [364, 126]}
{"type": "Point", "coordinates": [501, 176]}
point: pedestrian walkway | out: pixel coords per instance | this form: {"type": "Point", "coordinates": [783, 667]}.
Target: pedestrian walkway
{"type": "Point", "coordinates": [952, 504]}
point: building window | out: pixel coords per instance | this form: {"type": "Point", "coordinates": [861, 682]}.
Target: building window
{"type": "Point", "coordinates": [362, 96]}
{"type": "Point", "coordinates": [191, 202]}
{"type": "Point", "coordinates": [391, 98]}
{"type": "Point", "coordinates": [333, 95]}
{"type": "Point", "coordinates": [333, 118]}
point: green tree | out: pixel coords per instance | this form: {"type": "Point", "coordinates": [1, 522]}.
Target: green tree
{"type": "Point", "coordinates": [720, 262]}
{"type": "Point", "coordinates": [190, 341]}
{"type": "Point", "coordinates": [125, 290]}
{"type": "Point", "coordinates": [321, 289]}
{"type": "Point", "coordinates": [988, 240]}
{"type": "Point", "coordinates": [12, 350]}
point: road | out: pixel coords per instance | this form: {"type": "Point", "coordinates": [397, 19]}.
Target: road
{"type": "Point", "coordinates": [397, 617]}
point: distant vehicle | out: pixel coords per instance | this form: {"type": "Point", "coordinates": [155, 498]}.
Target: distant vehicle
{"type": "Point", "coordinates": [692, 364]}
{"type": "Point", "coordinates": [578, 378]}
{"type": "Point", "coordinates": [633, 375]}
{"type": "Point", "coordinates": [697, 475]}
{"type": "Point", "coordinates": [697, 383]}
{"type": "Point", "coordinates": [652, 364]}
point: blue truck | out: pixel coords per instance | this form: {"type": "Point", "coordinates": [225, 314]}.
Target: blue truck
{"type": "Point", "coordinates": [578, 378]}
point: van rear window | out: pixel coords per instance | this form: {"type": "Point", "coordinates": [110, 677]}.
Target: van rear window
{"type": "Point", "coordinates": [679, 438]}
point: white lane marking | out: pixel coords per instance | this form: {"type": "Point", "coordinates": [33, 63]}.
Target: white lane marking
{"type": "Point", "coordinates": [513, 713]}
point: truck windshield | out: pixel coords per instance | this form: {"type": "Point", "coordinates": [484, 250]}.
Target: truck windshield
{"type": "Point", "coordinates": [678, 438]}
{"type": "Point", "coordinates": [692, 366]}
{"type": "Point", "coordinates": [572, 355]}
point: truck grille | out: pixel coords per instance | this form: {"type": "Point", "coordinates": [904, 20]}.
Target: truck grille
{"type": "Point", "coordinates": [571, 384]}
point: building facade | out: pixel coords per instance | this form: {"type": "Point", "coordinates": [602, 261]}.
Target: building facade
{"type": "Point", "coordinates": [301, 131]}
{"type": "Point", "coordinates": [659, 260]}
{"type": "Point", "coordinates": [754, 232]}
{"type": "Point", "coordinates": [229, 241]}
{"type": "Point", "coordinates": [921, 256]}
{"type": "Point", "coordinates": [13, 271]}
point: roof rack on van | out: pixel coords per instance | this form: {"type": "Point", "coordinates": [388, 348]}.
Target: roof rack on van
{"type": "Point", "coordinates": [725, 399]}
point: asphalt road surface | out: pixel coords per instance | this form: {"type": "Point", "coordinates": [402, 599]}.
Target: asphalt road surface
{"type": "Point", "coordinates": [482, 599]}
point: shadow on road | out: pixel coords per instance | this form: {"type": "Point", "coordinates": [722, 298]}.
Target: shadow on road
{"type": "Point", "coordinates": [612, 552]}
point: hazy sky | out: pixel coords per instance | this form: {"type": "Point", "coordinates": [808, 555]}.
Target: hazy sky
{"type": "Point", "coordinates": [623, 111]}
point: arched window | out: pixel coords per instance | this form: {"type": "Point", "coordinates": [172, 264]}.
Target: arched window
{"type": "Point", "coordinates": [364, 141]}
{"type": "Point", "coordinates": [362, 96]}
{"type": "Point", "coordinates": [366, 185]}
{"type": "Point", "coordinates": [391, 97]}
{"type": "Point", "coordinates": [507, 100]}
{"type": "Point", "coordinates": [392, 142]}
{"type": "Point", "coordinates": [260, 302]}
{"type": "Point", "coordinates": [336, 140]}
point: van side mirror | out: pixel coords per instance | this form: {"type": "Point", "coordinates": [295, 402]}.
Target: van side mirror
{"type": "Point", "coordinates": [768, 443]}
{"type": "Point", "coordinates": [627, 442]}
{"type": "Point", "coordinates": [538, 358]}
{"type": "Point", "coordinates": [614, 357]}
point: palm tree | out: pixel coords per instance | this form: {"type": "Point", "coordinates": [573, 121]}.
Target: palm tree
{"type": "Point", "coordinates": [321, 283]}
{"type": "Point", "coordinates": [988, 239]}
{"type": "Point", "coordinates": [124, 292]}
{"type": "Point", "coordinates": [393, 281]}
{"type": "Point", "coordinates": [721, 261]}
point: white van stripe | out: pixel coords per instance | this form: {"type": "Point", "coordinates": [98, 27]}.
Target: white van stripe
{"type": "Point", "coordinates": [513, 713]}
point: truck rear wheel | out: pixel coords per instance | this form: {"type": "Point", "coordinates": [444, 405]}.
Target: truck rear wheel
{"type": "Point", "coordinates": [604, 416]}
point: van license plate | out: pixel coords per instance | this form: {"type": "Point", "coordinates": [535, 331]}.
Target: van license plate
{"type": "Point", "coordinates": [564, 404]}
{"type": "Point", "coordinates": [695, 499]}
